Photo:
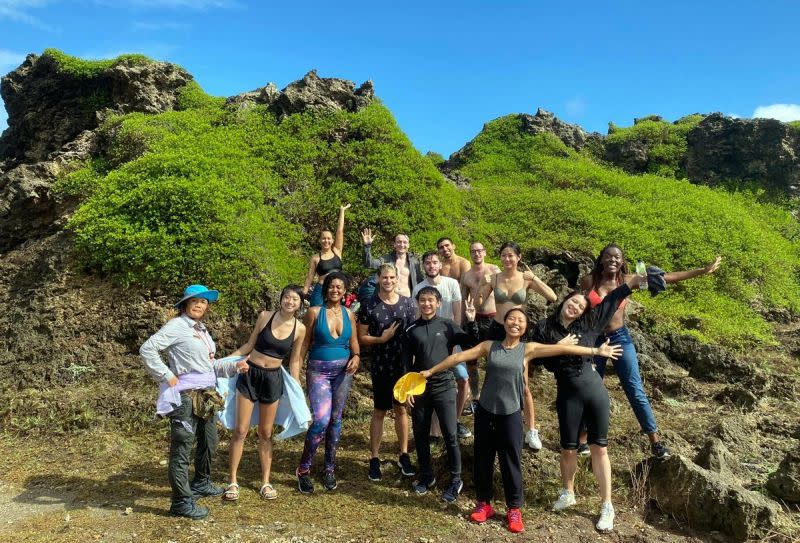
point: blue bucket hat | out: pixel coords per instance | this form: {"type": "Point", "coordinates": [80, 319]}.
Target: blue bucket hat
{"type": "Point", "coordinates": [198, 291]}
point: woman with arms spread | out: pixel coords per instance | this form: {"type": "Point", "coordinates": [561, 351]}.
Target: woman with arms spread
{"type": "Point", "coordinates": [327, 260]}
{"type": "Point", "coordinates": [510, 287]}
{"type": "Point", "coordinates": [275, 335]}
{"type": "Point", "coordinates": [610, 271]}
{"type": "Point", "coordinates": [498, 419]}
{"type": "Point", "coordinates": [334, 358]}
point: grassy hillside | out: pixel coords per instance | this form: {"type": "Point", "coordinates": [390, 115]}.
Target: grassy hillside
{"type": "Point", "coordinates": [535, 190]}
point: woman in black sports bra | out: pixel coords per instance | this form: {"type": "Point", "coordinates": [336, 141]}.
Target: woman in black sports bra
{"type": "Point", "coordinates": [276, 335]}
{"type": "Point", "coordinates": [327, 260]}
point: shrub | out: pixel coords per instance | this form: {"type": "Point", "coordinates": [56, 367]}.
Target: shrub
{"type": "Point", "coordinates": [89, 68]}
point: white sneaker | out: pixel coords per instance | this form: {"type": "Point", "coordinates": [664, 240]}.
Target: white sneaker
{"type": "Point", "coordinates": [566, 499]}
{"type": "Point", "coordinates": [606, 522]}
{"type": "Point", "coordinates": [532, 439]}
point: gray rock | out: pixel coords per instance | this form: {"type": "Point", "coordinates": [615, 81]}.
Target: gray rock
{"type": "Point", "coordinates": [738, 396]}
{"type": "Point", "coordinates": [572, 135]}
{"type": "Point", "coordinates": [321, 94]}
{"type": "Point", "coordinates": [715, 456]}
{"type": "Point", "coordinates": [708, 362]}
{"type": "Point", "coordinates": [708, 500]}
{"type": "Point", "coordinates": [721, 148]}
{"type": "Point", "coordinates": [784, 483]}
{"type": "Point", "coordinates": [630, 155]}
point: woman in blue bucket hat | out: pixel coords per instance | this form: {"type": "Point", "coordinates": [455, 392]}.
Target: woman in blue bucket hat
{"type": "Point", "coordinates": [188, 396]}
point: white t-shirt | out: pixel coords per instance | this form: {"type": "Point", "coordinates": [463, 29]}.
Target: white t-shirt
{"type": "Point", "coordinates": [451, 295]}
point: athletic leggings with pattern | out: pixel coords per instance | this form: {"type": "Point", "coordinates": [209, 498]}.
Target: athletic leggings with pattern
{"type": "Point", "coordinates": [328, 388]}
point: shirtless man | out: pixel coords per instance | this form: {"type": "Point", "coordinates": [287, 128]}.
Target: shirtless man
{"type": "Point", "coordinates": [409, 271]}
{"type": "Point", "coordinates": [484, 315]}
{"type": "Point", "coordinates": [452, 265]}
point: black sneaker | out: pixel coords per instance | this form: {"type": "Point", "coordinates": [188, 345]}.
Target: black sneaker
{"type": "Point", "coordinates": [425, 483]}
{"type": "Point", "coordinates": [375, 469]}
{"type": "Point", "coordinates": [405, 465]}
{"type": "Point", "coordinates": [462, 431]}
{"type": "Point", "coordinates": [201, 489]}
{"type": "Point", "coordinates": [304, 483]}
{"type": "Point", "coordinates": [189, 509]}
{"type": "Point", "coordinates": [583, 449]}
{"type": "Point", "coordinates": [660, 450]}
{"type": "Point", "coordinates": [451, 494]}
{"type": "Point", "coordinates": [329, 481]}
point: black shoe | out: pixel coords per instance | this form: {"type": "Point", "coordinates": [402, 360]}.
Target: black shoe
{"type": "Point", "coordinates": [424, 484]}
{"type": "Point", "coordinates": [304, 482]}
{"type": "Point", "coordinates": [187, 508]}
{"type": "Point", "coordinates": [201, 489]}
{"type": "Point", "coordinates": [583, 449]}
{"type": "Point", "coordinates": [468, 410]}
{"type": "Point", "coordinates": [329, 481]}
{"type": "Point", "coordinates": [660, 450]}
{"type": "Point", "coordinates": [451, 494]}
{"type": "Point", "coordinates": [462, 431]}
{"type": "Point", "coordinates": [405, 465]}
{"type": "Point", "coordinates": [375, 469]}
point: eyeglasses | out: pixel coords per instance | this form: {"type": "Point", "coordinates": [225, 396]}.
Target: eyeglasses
{"type": "Point", "coordinates": [477, 250]}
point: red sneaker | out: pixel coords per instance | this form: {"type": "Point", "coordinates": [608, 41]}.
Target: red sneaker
{"type": "Point", "coordinates": [483, 512]}
{"type": "Point", "coordinates": [514, 519]}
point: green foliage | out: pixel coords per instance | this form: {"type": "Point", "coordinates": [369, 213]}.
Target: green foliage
{"type": "Point", "coordinates": [794, 124]}
{"type": "Point", "coordinates": [236, 200]}
{"type": "Point", "coordinates": [192, 96]}
{"type": "Point", "coordinates": [435, 157]}
{"type": "Point", "coordinates": [89, 68]}
{"type": "Point", "coordinates": [537, 192]}
{"type": "Point", "coordinates": [666, 142]}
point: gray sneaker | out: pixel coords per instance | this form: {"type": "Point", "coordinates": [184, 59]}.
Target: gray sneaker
{"type": "Point", "coordinates": [462, 431]}
{"type": "Point", "coordinates": [606, 521]}
{"type": "Point", "coordinates": [329, 481]}
{"type": "Point", "coordinates": [565, 499]}
{"type": "Point", "coordinates": [451, 494]}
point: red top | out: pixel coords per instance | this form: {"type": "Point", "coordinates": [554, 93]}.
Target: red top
{"type": "Point", "coordinates": [595, 299]}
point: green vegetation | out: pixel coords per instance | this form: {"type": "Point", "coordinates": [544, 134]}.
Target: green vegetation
{"type": "Point", "coordinates": [89, 68]}
{"type": "Point", "coordinates": [236, 199]}
{"type": "Point", "coordinates": [794, 124]}
{"type": "Point", "coordinates": [535, 190]}
{"type": "Point", "coordinates": [666, 142]}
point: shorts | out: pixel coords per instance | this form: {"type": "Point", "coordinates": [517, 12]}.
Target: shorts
{"type": "Point", "coordinates": [484, 322]}
{"type": "Point", "coordinates": [262, 385]}
{"type": "Point", "coordinates": [460, 372]}
{"type": "Point", "coordinates": [383, 390]}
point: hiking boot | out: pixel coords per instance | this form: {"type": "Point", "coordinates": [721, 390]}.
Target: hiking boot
{"type": "Point", "coordinates": [187, 508]}
{"type": "Point", "coordinates": [660, 450]}
{"type": "Point", "coordinates": [375, 469]}
{"type": "Point", "coordinates": [583, 449]}
{"type": "Point", "coordinates": [405, 465]}
{"type": "Point", "coordinates": [304, 483]}
{"type": "Point", "coordinates": [565, 499]}
{"type": "Point", "coordinates": [329, 481]}
{"type": "Point", "coordinates": [462, 431]}
{"type": "Point", "coordinates": [606, 521]}
{"type": "Point", "coordinates": [532, 439]}
{"type": "Point", "coordinates": [483, 512]}
{"type": "Point", "coordinates": [425, 483]}
{"type": "Point", "coordinates": [514, 520]}
{"type": "Point", "coordinates": [451, 494]}
{"type": "Point", "coordinates": [201, 489]}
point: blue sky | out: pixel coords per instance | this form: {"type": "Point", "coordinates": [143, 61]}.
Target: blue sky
{"type": "Point", "coordinates": [445, 68]}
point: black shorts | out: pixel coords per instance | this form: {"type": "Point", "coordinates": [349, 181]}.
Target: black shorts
{"type": "Point", "coordinates": [484, 323]}
{"type": "Point", "coordinates": [262, 385]}
{"type": "Point", "coordinates": [383, 390]}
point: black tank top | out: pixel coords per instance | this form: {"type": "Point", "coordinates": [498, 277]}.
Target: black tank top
{"type": "Point", "coordinates": [325, 267]}
{"type": "Point", "coordinates": [268, 345]}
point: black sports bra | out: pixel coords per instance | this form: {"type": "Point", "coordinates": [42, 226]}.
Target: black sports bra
{"type": "Point", "coordinates": [268, 345]}
{"type": "Point", "coordinates": [325, 267]}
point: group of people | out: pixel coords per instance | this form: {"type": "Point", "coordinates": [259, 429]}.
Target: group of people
{"type": "Point", "coordinates": [439, 316]}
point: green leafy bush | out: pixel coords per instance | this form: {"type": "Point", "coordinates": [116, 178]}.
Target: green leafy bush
{"type": "Point", "coordinates": [89, 68]}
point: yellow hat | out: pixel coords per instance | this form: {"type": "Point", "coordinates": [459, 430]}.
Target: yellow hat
{"type": "Point", "coordinates": [410, 384]}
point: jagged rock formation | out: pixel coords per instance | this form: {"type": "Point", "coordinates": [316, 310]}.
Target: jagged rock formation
{"type": "Point", "coordinates": [571, 134]}
{"type": "Point", "coordinates": [784, 483]}
{"type": "Point", "coordinates": [310, 93]}
{"type": "Point", "coordinates": [49, 106]}
{"type": "Point", "coordinates": [764, 150]}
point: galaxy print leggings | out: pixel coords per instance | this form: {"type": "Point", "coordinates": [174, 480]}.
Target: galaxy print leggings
{"type": "Point", "coordinates": [328, 388]}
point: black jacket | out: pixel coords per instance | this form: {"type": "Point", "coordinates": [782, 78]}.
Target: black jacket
{"type": "Point", "coordinates": [431, 341]}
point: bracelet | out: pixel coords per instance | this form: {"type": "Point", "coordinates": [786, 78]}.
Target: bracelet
{"type": "Point", "coordinates": [352, 356]}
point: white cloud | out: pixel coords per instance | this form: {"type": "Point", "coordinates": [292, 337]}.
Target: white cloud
{"type": "Point", "coordinates": [575, 107]}
{"type": "Point", "coordinates": [3, 119]}
{"type": "Point", "coordinates": [18, 11]}
{"type": "Point", "coordinates": [782, 112]}
{"type": "Point", "coordinates": [733, 115]}
{"type": "Point", "coordinates": [9, 60]}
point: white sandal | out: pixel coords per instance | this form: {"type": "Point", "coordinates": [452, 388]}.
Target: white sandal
{"type": "Point", "coordinates": [231, 492]}
{"type": "Point", "coordinates": [268, 492]}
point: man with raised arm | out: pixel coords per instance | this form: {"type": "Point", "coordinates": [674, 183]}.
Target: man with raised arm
{"type": "Point", "coordinates": [409, 272]}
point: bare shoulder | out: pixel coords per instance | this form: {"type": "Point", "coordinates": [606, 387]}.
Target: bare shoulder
{"type": "Point", "coordinates": [586, 282]}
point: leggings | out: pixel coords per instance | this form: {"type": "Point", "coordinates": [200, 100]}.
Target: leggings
{"type": "Point", "coordinates": [501, 436]}
{"type": "Point", "coordinates": [328, 388]}
{"type": "Point", "coordinates": [581, 394]}
{"type": "Point", "coordinates": [443, 402]}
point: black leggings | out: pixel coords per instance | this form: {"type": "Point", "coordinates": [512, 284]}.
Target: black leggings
{"type": "Point", "coordinates": [443, 401]}
{"type": "Point", "coordinates": [501, 436]}
{"type": "Point", "coordinates": [582, 396]}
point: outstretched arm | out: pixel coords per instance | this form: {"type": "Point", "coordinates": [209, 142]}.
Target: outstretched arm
{"type": "Point", "coordinates": [475, 353]}
{"type": "Point", "coordinates": [338, 241]}
{"type": "Point", "coordinates": [541, 350]}
{"type": "Point", "coordinates": [674, 277]}
{"type": "Point", "coordinates": [369, 262]}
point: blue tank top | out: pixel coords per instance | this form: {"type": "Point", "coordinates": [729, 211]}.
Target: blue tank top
{"type": "Point", "coordinates": [325, 346]}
